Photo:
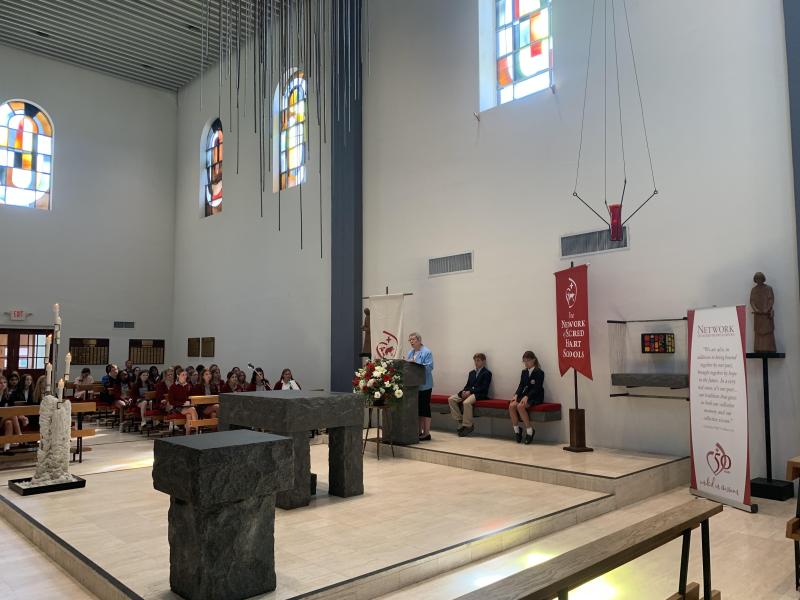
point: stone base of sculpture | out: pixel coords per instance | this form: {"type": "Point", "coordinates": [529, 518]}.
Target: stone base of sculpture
{"type": "Point", "coordinates": [52, 462]}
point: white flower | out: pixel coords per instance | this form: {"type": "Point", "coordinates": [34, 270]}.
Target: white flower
{"type": "Point", "coordinates": [370, 383]}
{"type": "Point", "coordinates": [379, 370]}
{"type": "Point", "coordinates": [377, 395]}
{"type": "Point", "coordinates": [398, 393]}
{"type": "Point", "coordinates": [383, 390]}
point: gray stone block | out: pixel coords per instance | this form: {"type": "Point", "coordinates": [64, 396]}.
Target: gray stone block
{"type": "Point", "coordinates": [346, 464]}
{"type": "Point", "coordinates": [222, 552]}
{"type": "Point", "coordinates": [221, 467]}
{"type": "Point", "coordinates": [287, 411]}
{"type": "Point", "coordinates": [222, 490]}
{"type": "Point", "coordinates": [298, 494]}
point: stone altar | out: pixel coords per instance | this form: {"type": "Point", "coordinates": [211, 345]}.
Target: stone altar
{"type": "Point", "coordinates": [294, 413]}
{"type": "Point", "coordinates": [222, 490]}
{"type": "Point", "coordinates": [402, 426]}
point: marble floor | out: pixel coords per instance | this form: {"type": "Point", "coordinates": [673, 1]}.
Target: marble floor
{"type": "Point", "coordinates": [409, 509]}
{"type": "Point", "coordinates": [603, 462]}
{"type": "Point", "coordinates": [27, 574]}
{"type": "Point", "coordinates": [750, 558]}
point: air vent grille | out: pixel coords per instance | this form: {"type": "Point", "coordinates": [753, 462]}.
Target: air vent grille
{"type": "Point", "coordinates": [447, 265]}
{"type": "Point", "coordinates": [591, 242]}
{"type": "Point", "coordinates": [124, 324]}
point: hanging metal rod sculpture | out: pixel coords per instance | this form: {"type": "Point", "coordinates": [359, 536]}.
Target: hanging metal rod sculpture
{"type": "Point", "coordinates": [322, 38]}
{"type": "Point", "coordinates": [614, 210]}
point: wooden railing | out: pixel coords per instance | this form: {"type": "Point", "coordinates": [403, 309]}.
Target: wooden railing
{"type": "Point", "coordinates": [556, 577]}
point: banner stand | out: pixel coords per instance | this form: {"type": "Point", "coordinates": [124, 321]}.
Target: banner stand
{"type": "Point", "coordinates": [577, 425]}
{"type": "Point", "coordinates": [750, 508]}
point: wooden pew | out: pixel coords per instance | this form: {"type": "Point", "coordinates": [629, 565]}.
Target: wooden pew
{"type": "Point", "coordinates": [79, 409]}
{"type": "Point", "coordinates": [199, 401]}
{"type": "Point", "coordinates": [556, 577]}
{"type": "Point", "coordinates": [793, 524]}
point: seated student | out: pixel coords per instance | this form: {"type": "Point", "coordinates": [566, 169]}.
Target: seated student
{"type": "Point", "coordinates": [108, 379]}
{"type": "Point", "coordinates": [163, 385]}
{"type": "Point", "coordinates": [216, 375]}
{"type": "Point", "coordinates": [257, 382]}
{"type": "Point", "coordinates": [154, 375]}
{"type": "Point", "coordinates": [477, 388]}
{"type": "Point", "coordinates": [13, 382]}
{"type": "Point", "coordinates": [232, 385]}
{"type": "Point", "coordinates": [241, 377]}
{"type": "Point", "coordinates": [530, 391]}
{"type": "Point", "coordinates": [178, 399]}
{"type": "Point", "coordinates": [85, 378]}
{"type": "Point", "coordinates": [138, 391]}
{"type": "Point", "coordinates": [286, 381]}
{"type": "Point", "coordinates": [130, 369]}
{"type": "Point", "coordinates": [9, 425]}
{"type": "Point", "coordinates": [207, 388]}
{"type": "Point", "coordinates": [23, 395]}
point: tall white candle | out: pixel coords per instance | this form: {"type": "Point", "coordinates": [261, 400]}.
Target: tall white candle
{"type": "Point", "coordinates": [56, 312]}
{"type": "Point", "coordinates": [48, 369]}
{"type": "Point", "coordinates": [67, 363]}
{"type": "Point", "coordinates": [60, 389]}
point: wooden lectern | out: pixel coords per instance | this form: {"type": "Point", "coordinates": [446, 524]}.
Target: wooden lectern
{"type": "Point", "coordinates": [402, 427]}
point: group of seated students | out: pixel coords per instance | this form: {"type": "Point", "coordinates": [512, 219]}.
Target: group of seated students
{"type": "Point", "coordinates": [530, 391]}
{"type": "Point", "coordinates": [173, 387]}
{"type": "Point", "coordinates": [16, 390]}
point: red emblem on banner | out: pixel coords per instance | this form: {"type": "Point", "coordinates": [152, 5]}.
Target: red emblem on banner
{"type": "Point", "coordinates": [572, 314]}
{"type": "Point", "coordinates": [387, 347]}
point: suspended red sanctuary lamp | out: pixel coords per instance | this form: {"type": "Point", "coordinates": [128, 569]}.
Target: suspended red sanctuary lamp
{"type": "Point", "coordinates": [614, 212]}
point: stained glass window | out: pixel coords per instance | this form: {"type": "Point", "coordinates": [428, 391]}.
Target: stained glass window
{"type": "Point", "coordinates": [291, 112]}
{"type": "Point", "coordinates": [212, 175]}
{"type": "Point", "coordinates": [26, 155]}
{"type": "Point", "coordinates": [524, 48]}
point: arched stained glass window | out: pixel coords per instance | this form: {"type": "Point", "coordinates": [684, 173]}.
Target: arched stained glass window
{"type": "Point", "coordinates": [290, 132]}
{"type": "Point", "coordinates": [26, 155]}
{"type": "Point", "coordinates": [212, 173]}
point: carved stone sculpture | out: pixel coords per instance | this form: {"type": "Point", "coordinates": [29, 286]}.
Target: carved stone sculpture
{"type": "Point", "coordinates": [762, 300]}
{"type": "Point", "coordinates": [366, 348]}
{"type": "Point", "coordinates": [55, 421]}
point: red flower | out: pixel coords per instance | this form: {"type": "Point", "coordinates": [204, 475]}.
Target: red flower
{"type": "Point", "coordinates": [386, 378]}
{"type": "Point", "coordinates": [356, 381]}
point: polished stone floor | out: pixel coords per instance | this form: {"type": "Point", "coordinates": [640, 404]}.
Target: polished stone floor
{"type": "Point", "coordinates": [750, 558]}
{"type": "Point", "coordinates": [409, 509]}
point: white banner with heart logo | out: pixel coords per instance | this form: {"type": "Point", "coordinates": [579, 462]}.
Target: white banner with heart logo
{"type": "Point", "coordinates": [718, 412]}
{"type": "Point", "coordinates": [386, 325]}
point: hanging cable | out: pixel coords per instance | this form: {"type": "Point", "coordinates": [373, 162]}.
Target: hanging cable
{"type": "Point", "coordinates": [605, 103]}
{"type": "Point", "coordinates": [619, 102]}
{"type": "Point", "coordinates": [585, 95]}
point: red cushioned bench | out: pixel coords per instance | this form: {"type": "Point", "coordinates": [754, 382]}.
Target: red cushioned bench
{"type": "Point", "coordinates": [546, 411]}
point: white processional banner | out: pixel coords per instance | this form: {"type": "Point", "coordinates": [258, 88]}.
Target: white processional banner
{"type": "Point", "coordinates": [386, 325]}
{"type": "Point", "coordinates": [718, 410]}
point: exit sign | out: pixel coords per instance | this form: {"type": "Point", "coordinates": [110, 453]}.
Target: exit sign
{"type": "Point", "coordinates": [16, 314]}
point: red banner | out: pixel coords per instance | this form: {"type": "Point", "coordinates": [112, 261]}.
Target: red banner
{"type": "Point", "coordinates": [572, 314]}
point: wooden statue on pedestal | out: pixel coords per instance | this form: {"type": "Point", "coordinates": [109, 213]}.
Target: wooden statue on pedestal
{"type": "Point", "coordinates": [762, 300]}
{"type": "Point", "coordinates": [366, 348]}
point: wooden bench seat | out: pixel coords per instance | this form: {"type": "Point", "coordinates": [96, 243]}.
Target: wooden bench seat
{"type": "Point", "coordinates": [79, 409]}
{"type": "Point", "coordinates": [493, 407]}
{"type": "Point", "coordinates": [556, 577]}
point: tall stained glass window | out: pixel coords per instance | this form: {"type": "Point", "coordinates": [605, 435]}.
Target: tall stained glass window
{"type": "Point", "coordinates": [212, 175]}
{"type": "Point", "coordinates": [290, 117]}
{"type": "Point", "coordinates": [26, 155]}
{"type": "Point", "coordinates": [524, 48]}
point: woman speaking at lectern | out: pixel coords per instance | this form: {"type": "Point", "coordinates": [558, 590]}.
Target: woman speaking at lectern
{"type": "Point", "coordinates": [423, 356]}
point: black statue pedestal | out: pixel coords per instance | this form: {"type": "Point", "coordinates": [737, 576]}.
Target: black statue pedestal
{"type": "Point", "coordinates": [761, 487]}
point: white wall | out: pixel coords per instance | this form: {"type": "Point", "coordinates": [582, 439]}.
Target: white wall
{"type": "Point", "coordinates": [437, 181]}
{"type": "Point", "coordinates": [237, 277]}
{"type": "Point", "coordinates": [105, 250]}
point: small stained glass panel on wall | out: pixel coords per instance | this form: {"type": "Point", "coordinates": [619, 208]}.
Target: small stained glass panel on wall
{"type": "Point", "coordinates": [146, 352]}
{"type": "Point", "coordinates": [193, 347]}
{"type": "Point", "coordinates": [207, 346]}
{"type": "Point", "coordinates": [212, 175]}
{"type": "Point", "coordinates": [26, 154]}
{"type": "Point", "coordinates": [524, 49]}
{"type": "Point", "coordinates": [89, 351]}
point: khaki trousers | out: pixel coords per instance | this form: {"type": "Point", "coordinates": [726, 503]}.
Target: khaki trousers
{"type": "Point", "coordinates": [454, 401]}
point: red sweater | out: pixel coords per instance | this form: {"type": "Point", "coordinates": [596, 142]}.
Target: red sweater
{"type": "Point", "coordinates": [179, 394]}
{"type": "Point", "coordinates": [200, 389]}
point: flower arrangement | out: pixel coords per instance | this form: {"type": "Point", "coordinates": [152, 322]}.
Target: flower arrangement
{"type": "Point", "coordinates": [380, 382]}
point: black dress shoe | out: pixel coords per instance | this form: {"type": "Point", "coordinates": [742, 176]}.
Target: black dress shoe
{"type": "Point", "coordinates": [466, 430]}
{"type": "Point", "coordinates": [425, 438]}
{"type": "Point", "coordinates": [518, 436]}
{"type": "Point", "coordinates": [528, 438]}
{"type": "Point", "coordinates": [460, 432]}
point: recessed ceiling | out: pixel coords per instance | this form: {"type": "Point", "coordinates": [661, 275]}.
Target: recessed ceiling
{"type": "Point", "coordinates": [154, 42]}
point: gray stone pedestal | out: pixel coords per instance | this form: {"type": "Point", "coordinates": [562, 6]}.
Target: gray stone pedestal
{"type": "Point", "coordinates": [293, 413]}
{"type": "Point", "coordinates": [402, 428]}
{"type": "Point", "coordinates": [222, 490]}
